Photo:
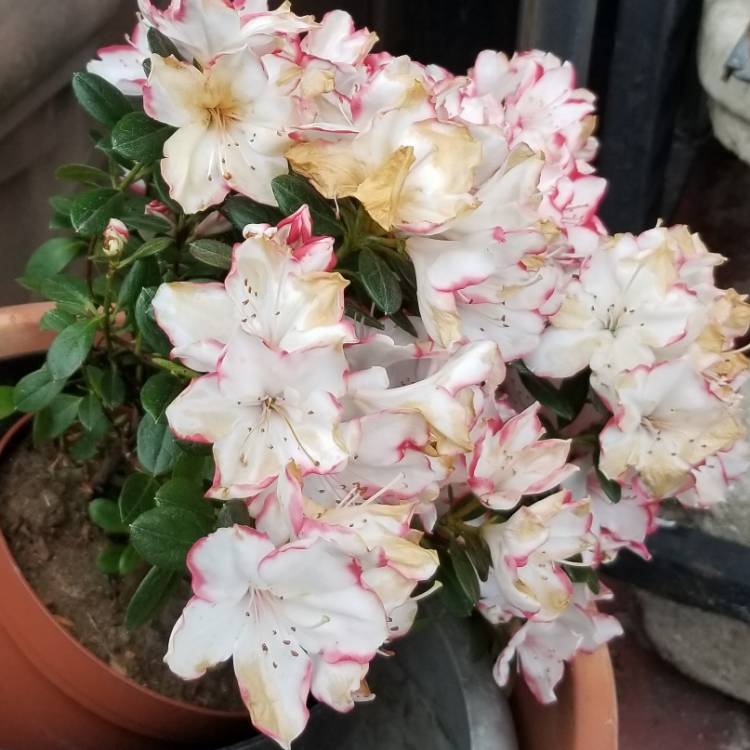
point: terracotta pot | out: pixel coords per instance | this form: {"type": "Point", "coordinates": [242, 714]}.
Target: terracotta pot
{"type": "Point", "coordinates": [585, 715]}
{"type": "Point", "coordinates": [62, 696]}
{"type": "Point", "coordinates": [56, 694]}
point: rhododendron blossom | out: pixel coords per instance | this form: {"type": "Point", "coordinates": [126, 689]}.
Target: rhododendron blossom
{"type": "Point", "coordinates": [355, 322]}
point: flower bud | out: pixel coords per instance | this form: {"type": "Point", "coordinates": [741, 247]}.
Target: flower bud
{"type": "Point", "coordinates": [114, 238]}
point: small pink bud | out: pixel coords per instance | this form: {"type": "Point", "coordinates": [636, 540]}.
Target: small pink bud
{"type": "Point", "coordinates": [114, 238]}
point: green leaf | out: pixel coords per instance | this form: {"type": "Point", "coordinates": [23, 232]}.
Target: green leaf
{"type": "Point", "coordinates": [162, 190]}
{"type": "Point", "coordinates": [479, 554]}
{"type": "Point", "coordinates": [452, 593]}
{"type": "Point", "coordinates": [55, 418]}
{"type": "Point", "coordinates": [147, 249]}
{"type": "Point", "coordinates": [7, 403]}
{"type": "Point", "coordinates": [56, 320]}
{"type": "Point", "coordinates": [139, 138]}
{"type": "Point", "coordinates": [129, 560]}
{"type": "Point", "coordinates": [86, 447]}
{"type": "Point", "coordinates": [163, 536]}
{"type": "Point", "coordinates": [136, 496]}
{"type": "Point", "coordinates": [242, 211]}
{"type": "Point", "coordinates": [113, 389]}
{"type": "Point", "coordinates": [611, 487]}
{"type": "Point", "coordinates": [155, 588]}
{"type": "Point", "coordinates": [71, 293]}
{"type": "Point", "coordinates": [152, 335]}
{"type": "Point", "coordinates": [91, 415]}
{"type": "Point", "coordinates": [91, 211]}
{"type": "Point", "coordinates": [464, 570]}
{"type": "Point", "coordinates": [212, 253]}
{"type": "Point", "coordinates": [162, 45]}
{"type": "Point", "coordinates": [83, 173]}
{"type": "Point", "coordinates": [546, 394]}
{"type": "Point", "coordinates": [292, 191]}
{"type": "Point", "coordinates": [404, 323]}
{"type": "Point", "coordinates": [234, 511]}
{"type": "Point", "coordinates": [575, 391]}
{"type": "Point", "coordinates": [108, 560]}
{"type": "Point", "coordinates": [156, 447]}
{"type": "Point", "coordinates": [143, 273]}
{"type": "Point", "coordinates": [37, 389]}
{"type": "Point", "coordinates": [50, 258]}
{"type": "Point", "coordinates": [188, 495]}
{"type": "Point", "coordinates": [99, 98]}
{"type": "Point", "coordinates": [190, 466]}
{"type": "Point", "coordinates": [106, 515]}
{"type": "Point", "coordinates": [70, 348]}
{"type": "Point", "coordinates": [158, 392]}
{"type": "Point", "coordinates": [380, 282]}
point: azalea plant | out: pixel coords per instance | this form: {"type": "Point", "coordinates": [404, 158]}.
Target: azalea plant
{"type": "Point", "coordinates": [358, 333]}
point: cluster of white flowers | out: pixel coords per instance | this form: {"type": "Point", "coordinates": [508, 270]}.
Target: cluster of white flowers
{"type": "Point", "coordinates": [343, 439]}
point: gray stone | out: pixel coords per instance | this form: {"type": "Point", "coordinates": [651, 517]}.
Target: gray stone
{"type": "Point", "coordinates": [707, 647]}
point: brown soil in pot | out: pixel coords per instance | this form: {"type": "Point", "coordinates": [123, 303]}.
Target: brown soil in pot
{"type": "Point", "coordinates": [44, 515]}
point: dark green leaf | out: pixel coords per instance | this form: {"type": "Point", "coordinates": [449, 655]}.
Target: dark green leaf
{"type": "Point", "coordinates": [479, 554]}
{"type": "Point", "coordinates": [142, 273]}
{"type": "Point", "coordinates": [153, 592]}
{"type": "Point", "coordinates": [403, 322]}
{"type": "Point", "coordinates": [106, 515]}
{"type": "Point", "coordinates": [242, 211]}
{"type": "Point", "coordinates": [163, 536]}
{"type": "Point", "coordinates": [212, 253]}
{"type": "Point", "coordinates": [86, 447]}
{"type": "Point", "coordinates": [99, 98]}
{"type": "Point", "coordinates": [91, 211]}
{"type": "Point", "coordinates": [380, 282]}
{"type": "Point", "coordinates": [71, 293]}
{"type": "Point", "coordinates": [147, 249]}
{"type": "Point", "coordinates": [56, 320]}
{"type": "Point", "coordinates": [452, 593]}
{"type": "Point", "coordinates": [61, 204]}
{"type": "Point", "coordinates": [37, 389]}
{"type": "Point", "coordinates": [354, 311]}
{"type": "Point", "coordinates": [583, 574]}
{"type": "Point", "coordinates": [546, 394]}
{"type": "Point", "coordinates": [108, 560]}
{"type": "Point", "coordinates": [575, 391]}
{"type": "Point", "coordinates": [234, 511]}
{"type": "Point", "coordinates": [139, 138]}
{"type": "Point", "coordinates": [83, 173]}
{"type": "Point", "coordinates": [292, 191]}
{"type": "Point", "coordinates": [190, 466]}
{"type": "Point", "coordinates": [186, 494]}
{"type": "Point", "coordinates": [153, 336]}
{"type": "Point", "coordinates": [175, 368]}
{"type": "Point", "coordinates": [162, 190]}
{"type": "Point", "coordinates": [136, 496]}
{"type": "Point", "coordinates": [129, 560]}
{"type": "Point", "coordinates": [111, 388]}
{"type": "Point", "coordinates": [161, 45]}
{"type": "Point", "coordinates": [156, 447]}
{"type": "Point", "coordinates": [55, 418]}
{"type": "Point", "coordinates": [70, 348]}
{"type": "Point", "coordinates": [611, 487]}
{"type": "Point", "coordinates": [464, 570]}
{"type": "Point", "coordinates": [91, 415]}
{"type": "Point", "coordinates": [50, 258]}
{"type": "Point", "coordinates": [158, 392]}
{"type": "Point", "coordinates": [7, 404]}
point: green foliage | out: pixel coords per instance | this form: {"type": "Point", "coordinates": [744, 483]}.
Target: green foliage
{"type": "Point", "coordinates": [292, 191]}
{"type": "Point", "coordinates": [158, 392]}
{"type": "Point", "coordinates": [52, 421]}
{"type": "Point", "coordinates": [83, 174]}
{"type": "Point", "coordinates": [156, 447]}
{"type": "Point", "coordinates": [91, 211]}
{"type": "Point", "coordinates": [380, 282]}
{"type": "Point", "coordinates": [139, 138]}
{"type": "Point", "coordinates": [212, 253]}
{"type": "Point", "coordinates": [7, 402]}
{"type": "Point", "coordinates": [70, 347]}
{"type": "Point", "coordinates": [37, 389]}
{"type": "Point", "coordinates": [154, 591]}
{"type": "Point", "coordinates": [163, 536]}
{"type": "Point", "coordinates": [106, 515]}
{"type": "Point", "coordinates": [242, 211]}
{"type": "Point", "coordinates": [99, 98]}
{"type": "Point", "coordinates": [49, 259]}
{"type": "Point", "coordinates": [136, 496]}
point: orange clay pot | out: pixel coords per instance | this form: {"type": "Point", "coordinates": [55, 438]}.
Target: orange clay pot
{"type": "Point", "coordinates": [55, 694]}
